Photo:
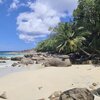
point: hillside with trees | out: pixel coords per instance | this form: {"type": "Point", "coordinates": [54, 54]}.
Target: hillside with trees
{"type": "Point", "coordinates": [81, 35]}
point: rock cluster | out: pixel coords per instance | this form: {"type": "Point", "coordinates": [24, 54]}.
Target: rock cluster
{"type": "Point", "coordinates": [57, 63]}
{"type": "Point", "coordinates": [77, 94]}
{"type": "Point", "coordinates": [43, 58]}
{"type": "Point", "coordinates": [26, 61]}
{"type": "Point", "coordinates": [4, 58]}
{"type": "Point", "coordinates": [2, 61]}
{"type": "Point", "coordinates": [16, 58]}
{"type": "Point", "coordinates": [72, 94]}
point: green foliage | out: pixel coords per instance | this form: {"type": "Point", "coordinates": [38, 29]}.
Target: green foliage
{"type": "Point", "coordinates": [65, 39]}
{"type": "Point", "coordinates": [81, 34]}
{"type": "Point", "coordinates": [87, 15]}
{"type": "Point", "coordinates": [47, 45]}
{"type": "Point", "coordinates": [84, 15]}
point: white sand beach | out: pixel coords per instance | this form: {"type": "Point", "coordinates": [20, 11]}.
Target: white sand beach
{"type": "Point", "coordinates": [7, 68]}
{"type": "Point", "coordinates": [41, 83]}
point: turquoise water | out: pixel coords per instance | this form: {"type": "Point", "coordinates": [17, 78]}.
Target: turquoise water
{"type": "Point", "coordinates": [9, 54]}
{"type": "Point", "coordinates": [6, 68]}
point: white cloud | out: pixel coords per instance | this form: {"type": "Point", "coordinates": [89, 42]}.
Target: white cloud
{"type": "Point", "coordinates": [61, 5]}
{"type": "Point", "coordinates": [1, 1]}
{"type": "Point", "coordinates": [30, 38]}
{"type": "Point", "coordinates": [44, 14]}
{"type": "Point", "coordinates": [14, 4]}
{"type": "Point", "coordinates": [26, 37]}
{"type": "Point", "coordinates": [38, 22]}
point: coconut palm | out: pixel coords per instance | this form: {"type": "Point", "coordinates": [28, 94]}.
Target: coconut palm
{"type": "Point", "coordinates": [68, 38]}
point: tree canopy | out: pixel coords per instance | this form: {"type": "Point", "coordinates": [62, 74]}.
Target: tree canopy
{"type": "Point", "coordinates": [81, 34]}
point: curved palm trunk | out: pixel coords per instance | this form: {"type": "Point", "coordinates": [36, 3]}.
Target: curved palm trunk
{"type": "Point", "coordinates": [98, 51]}
{"type": "Point", "coordinates": [88, 54]}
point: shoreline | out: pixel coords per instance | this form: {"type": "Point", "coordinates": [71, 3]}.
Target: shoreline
{"type": "Point", "coordinates": [7, 68]}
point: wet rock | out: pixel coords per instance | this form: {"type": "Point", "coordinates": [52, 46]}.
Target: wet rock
{"type": "Point", "coordinates": [77, 94]}
{"type": "Point", "coordinates": [16, 58]}
{"type": "Point", "coordinates": [14, 64]}
{"type": "Point", "coordinates": [2, 61]}
{"type": "Point", "coordinates": [28, 55]}
{"type": "Point", "coordinates": [19, 65]}
{"type": "Point", "coordinates": [4, 58]}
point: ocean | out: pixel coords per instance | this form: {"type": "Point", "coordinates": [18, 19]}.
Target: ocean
{"type": "Point", "coordinates": [9, 54]}
{"type": "Point", "coordinates": [6, 68]}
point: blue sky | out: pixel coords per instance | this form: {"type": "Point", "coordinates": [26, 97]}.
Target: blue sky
{"type": "Point", "coordinates": [25, 22]}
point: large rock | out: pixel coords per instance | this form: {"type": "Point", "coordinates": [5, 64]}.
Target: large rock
{"type": "Point", "coordinates": [2, 61]}
{"type": "Point", "coordinates": [4, 58]}
{"type": "Point", "coordinates": [57, 62]}
{"type": "Point", "coordinates": [77, 94]}
{"type": "Point", "coordinates": [27, 61]}
{"type": "Point", "coordinates": [28, 55]}
{"type": "Point", "coordinates": [14, 64]}
{"type": "Point", "coordinates": [16, 58]}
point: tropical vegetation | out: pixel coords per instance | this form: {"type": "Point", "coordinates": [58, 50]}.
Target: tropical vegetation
{"type": "Point", "coordinates": [81, 35]}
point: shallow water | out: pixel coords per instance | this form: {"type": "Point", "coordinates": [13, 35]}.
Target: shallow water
{"type": "Point", "coordinates": [9, 54]}
{"type": "Point", "coordinates": [6, 69]}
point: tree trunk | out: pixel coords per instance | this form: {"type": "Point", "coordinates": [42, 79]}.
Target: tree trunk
{"type": "Point", "coordinates": [85, 52]}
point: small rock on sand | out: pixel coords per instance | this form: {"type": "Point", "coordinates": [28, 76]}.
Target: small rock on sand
{"type": "Point", "coordinates": [3, 95]}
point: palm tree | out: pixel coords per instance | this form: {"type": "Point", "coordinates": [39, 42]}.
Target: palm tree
{"type": "Point", "coordinates": [70, 39]}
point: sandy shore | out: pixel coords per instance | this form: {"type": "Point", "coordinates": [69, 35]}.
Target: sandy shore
{"type": "Point", "coordinates": [7, 68]}
{"type": "Point", "coordinates": [34, 85]}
